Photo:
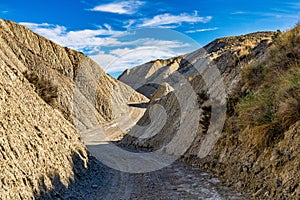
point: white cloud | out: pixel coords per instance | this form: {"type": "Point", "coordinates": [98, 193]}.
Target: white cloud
{"type": "Point", "coordinates": [129, 24]}
{"type": "Point", "coordinates": [294, 5]}
{"type": "Point", "coordinates": [123, 7]}
{"type": "Point", "coordinates": [168, 19]}
{"type": "Point", "coordinates": [121, 59]}
{"type": "Point", "coordinates": [120, 54]}
{"type": "Point", "coordinates": [202, 30]}
{"type": "Point", "coordinates": [278, 13]}
{"type": "Point", "coordinates": [45, 29]}
{"type": "Point", "coordinates": [238, 13]}
{"type": "Point", "coordinates": [80, 40]}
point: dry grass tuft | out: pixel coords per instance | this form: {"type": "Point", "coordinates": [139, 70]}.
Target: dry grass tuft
{"type": "Point", "coordinates": [45, 88]}
{"type": "Point", "coordinates": [255, 109]}
{"type": "Point", "coordinates": [269, 103]}
{"type": "Point", "coordinates": [288, 112]}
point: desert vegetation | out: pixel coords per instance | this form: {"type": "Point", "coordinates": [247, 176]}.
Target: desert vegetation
{"type": "Point", "coordinates": [269, 100]}
{"type": "Point", "coordinates": [259, 149]}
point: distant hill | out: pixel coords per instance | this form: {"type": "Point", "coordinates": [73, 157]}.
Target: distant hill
{"type": "Point", "coordinates": [226, 53]}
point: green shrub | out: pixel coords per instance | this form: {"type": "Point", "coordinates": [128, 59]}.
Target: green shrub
{"type": "Point", "coordinates": [255, 109]}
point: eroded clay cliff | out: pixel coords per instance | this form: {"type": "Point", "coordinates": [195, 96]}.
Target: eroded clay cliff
{"type": "Point", "coordinates": [48, 94]}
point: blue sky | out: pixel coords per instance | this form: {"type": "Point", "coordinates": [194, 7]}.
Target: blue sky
{"type": "Point", "coordinates": [121, 34]}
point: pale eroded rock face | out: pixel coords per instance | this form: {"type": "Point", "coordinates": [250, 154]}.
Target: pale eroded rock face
{"type": "Point", "coordinates": [83, 87]}
{"type": "Point", "coordinates": [228, 54]}
{"type": "Point", "coordinates": [147, 77]}
{"type": "Point", "coordinates": [196, 71]}
{"type": "Point", "coordinates": [38, 145]}
{"type": "Point", "coordinates": [48, 93]}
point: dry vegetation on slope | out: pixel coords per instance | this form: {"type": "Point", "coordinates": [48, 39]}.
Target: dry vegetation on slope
{"type": "Point", "coordinates": [259, 151]}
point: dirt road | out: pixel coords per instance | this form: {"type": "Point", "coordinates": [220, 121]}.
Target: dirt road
{"type": "Point", "coordinates": [177, 181]}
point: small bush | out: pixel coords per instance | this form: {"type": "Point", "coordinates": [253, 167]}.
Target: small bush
{"type": "Point", "coordinates": [253, 75]}
{"type": "Point", "coordinates": [255, 109]}
{"type": "Point", "coordinates": [45, 88]}
{"type": "Point", "coordinates": [288, 95]}
{"type": "Point", "coordinates": [288, 112]}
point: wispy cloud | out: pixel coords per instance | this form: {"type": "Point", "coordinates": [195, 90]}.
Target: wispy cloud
{"type": "Point", "coordinates": [274, 13]}
{"type": "Point", "coordinates": [280, 15]}
{"type": "Point", "coordinates": [293, 5]}
{"type": "Point", "coordinates": [4, 11]}
{"type": "Point", "coordinates": [166, 20]}
{"type": "Point", "coordinates": [123, 58]}
{"type": "Point", "coordinates": [81, 40]}
{"type": "Point", "coordinates": [110, 48]}
{"type": "Point", "coordinates": [145, 50]}
{"type": "Point", "coordinates": [202, 30]}
{"type": "Point", "coordinates": [238, 13]}
{"type": "Point", "coordinates": [129, 23]}
{"type": "Point", "coordinates": [123, 7]}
